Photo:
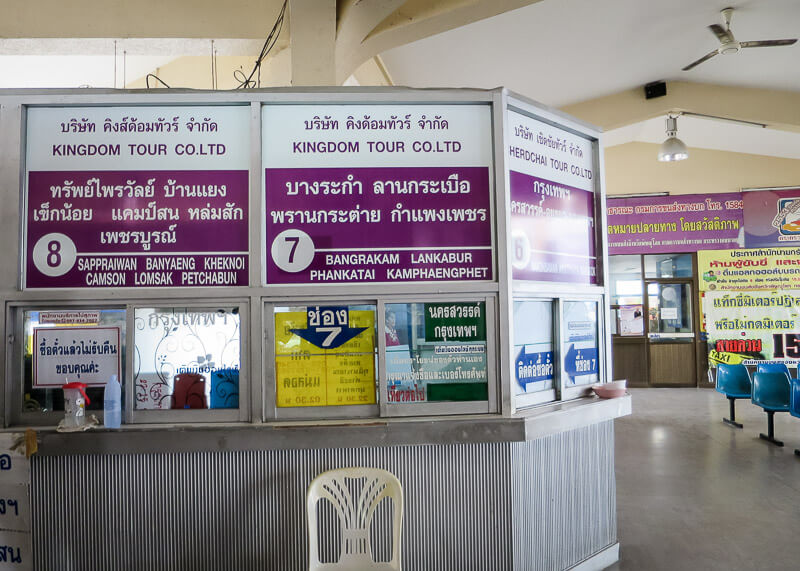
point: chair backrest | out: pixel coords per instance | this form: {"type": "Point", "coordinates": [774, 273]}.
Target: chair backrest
{"type": "Point", "coordinates": [773, 368]}
{"type": "Point", "coordinates": [771, 391]}
{"type": "Point", "coordinates": [733, 381]}
{"type": "Point", "coordinates": [225, 388]}
{"type": "Point", "coordinates": [354, 515]}
{"type": "Point", "coordinates": [189, 391]}
{"type": "Point", "coordinates": [794, 401]}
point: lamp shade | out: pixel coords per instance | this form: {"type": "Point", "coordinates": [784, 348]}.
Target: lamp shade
{"type": "Point", "coordinates": [673, 149]}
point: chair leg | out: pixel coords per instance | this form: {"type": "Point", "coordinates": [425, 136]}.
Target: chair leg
{"type": "Point", "coordinates": [732, 420]}
{"type": "Point", "coordinates": [770, 436]}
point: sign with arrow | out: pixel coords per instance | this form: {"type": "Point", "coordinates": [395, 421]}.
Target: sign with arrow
{"type": "Point", "coordinates": [533, 367]}
{"type": "Point", "coordinates": [579, 362]}
{"type": "Point", "coordinates": [328, 327]}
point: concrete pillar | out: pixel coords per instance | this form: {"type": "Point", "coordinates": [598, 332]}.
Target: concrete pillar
{"type": "Point", "coordinates": [312, 28]}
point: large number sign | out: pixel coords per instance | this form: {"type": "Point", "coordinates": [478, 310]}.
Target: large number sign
{"type": "Point", "coordinates": [667, 224]}
{"type": "Point", "coordinates": [751, 269]}
{"type": "Point", "coordinates": [137, 197]}
{"type": "Point", "coordinates": [552, 178]}
{"type": "Point", "coordinates": [377, 193]}
{"type": "Point", "coordinates": [752, 327]}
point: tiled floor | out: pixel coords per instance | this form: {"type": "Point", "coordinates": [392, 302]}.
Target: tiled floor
{"type": "Point", "coordinates": [694, 493]}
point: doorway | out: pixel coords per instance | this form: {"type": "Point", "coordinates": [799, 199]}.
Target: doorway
{"type": "Point", "coordinates": [655, 320]}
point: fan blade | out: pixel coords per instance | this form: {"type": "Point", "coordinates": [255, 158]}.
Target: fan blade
{"type": "Point", "coordinates": [708, 56]}
{"type": "Point", "coordinates": [767, 43]}
{"type": "Point", "coordinates": [723, 35]}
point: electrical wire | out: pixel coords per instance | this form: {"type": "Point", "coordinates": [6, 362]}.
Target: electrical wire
{"type": "Point", "coordinates": [158, 79]}
{"type": "Point", "coordinates": [246, 81]}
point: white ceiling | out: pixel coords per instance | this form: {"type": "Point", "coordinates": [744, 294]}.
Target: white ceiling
{"type": "Point", "coordinates": [564, 51]}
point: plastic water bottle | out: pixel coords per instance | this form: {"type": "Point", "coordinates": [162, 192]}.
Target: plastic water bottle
{"type": "Point", "coordinates": [112, 403]}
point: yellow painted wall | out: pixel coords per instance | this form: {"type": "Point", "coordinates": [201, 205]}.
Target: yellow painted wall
{"type": "Point", "coordinates": [633, 169]}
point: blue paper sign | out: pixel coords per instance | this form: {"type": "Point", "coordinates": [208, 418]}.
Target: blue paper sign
{"type": "Point", "coordinates": [328, 327]}
{"type": "Point", "coordinates": [533, 367]}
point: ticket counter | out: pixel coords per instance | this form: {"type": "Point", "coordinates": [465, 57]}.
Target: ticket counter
{"type": "Point", "coordinates": [288, 281]}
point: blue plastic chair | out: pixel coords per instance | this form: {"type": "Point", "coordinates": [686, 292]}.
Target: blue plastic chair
{"type": "Point", "coordinates": [733, 381]}
{"type": "Point", "coordinates": [773, 368]}
{"type": "Point", "coordinates": [225, 388]}
{"type": "Point", "coordinates": [794, 404]}
{"type": "Point", "coordinates": [771, 391]}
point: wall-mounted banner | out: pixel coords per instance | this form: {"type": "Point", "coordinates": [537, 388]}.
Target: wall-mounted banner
{"type": "Point", "coordinates": [552, 179]}
{"type": "Point", "coordinates": [772, 218]}
{"type": "Point", "coordinates": [137, 197]}
{"type": "Point", "coordinates": [87, 355]}
{"type": "Point", "coordinates": [751, 269]}
{"type": "Point", "coordinates": [752, 327]}
{"type": "Point", "coordinates": [666, 224]}
{"type": "Point", "coordinates": [377, 193]}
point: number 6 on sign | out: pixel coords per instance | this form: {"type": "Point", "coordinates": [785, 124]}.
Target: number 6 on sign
{"type": "Point", "coordinates": [292, 250]}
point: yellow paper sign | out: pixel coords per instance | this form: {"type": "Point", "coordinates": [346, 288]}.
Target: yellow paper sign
{"type": "Point", "coordinates": [307, 375]}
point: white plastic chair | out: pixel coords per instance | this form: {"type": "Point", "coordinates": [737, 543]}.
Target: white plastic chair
{"type": "Point", "coordinates": [356, 550]}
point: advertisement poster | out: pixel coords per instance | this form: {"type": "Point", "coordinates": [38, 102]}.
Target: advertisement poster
{"type": "Point", "coordinates": [772, 218]}
{"type": "Point", "coordinates": [436, 352]}
{"type": "Point", "coordinates": [87, 355]}
{"type": "Point", "coordinates": [631, 320]}
{"type": "Point", "coordinates": [751, 269]}
{"type": "Point", "coordinates": [137, 197]}
{"type": "Point", "coordinates": [552, 179]}
{"type": "Point", "coordinates": [325, 356]}
{"type": "Point", "coordinates": [752, 327]}
{"type": "Point", "coordinates": [377, 193]}
{"type": "Point", "coordinates": [669, 224]}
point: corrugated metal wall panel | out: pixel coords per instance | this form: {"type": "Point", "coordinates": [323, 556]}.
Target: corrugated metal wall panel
{"type": "Point", "coordinates": [564, 490]}
{"type": "Point", "coordinates": [246, 510]}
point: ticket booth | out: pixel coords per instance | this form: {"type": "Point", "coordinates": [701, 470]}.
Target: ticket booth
{"type": "Point", "coordinates": [287, 281]}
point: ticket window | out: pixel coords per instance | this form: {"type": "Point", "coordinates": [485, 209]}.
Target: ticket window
{"type": "Point", "coordinates": [436, 357]}
{"type": "Point", "coordinates": [187, 364]}
{"type": "Point", "coordinates": [535, 374]}
{"type": "Point", "coordinates": [324, 361]}
{"type": "Point", "coordinates": [54, 345]}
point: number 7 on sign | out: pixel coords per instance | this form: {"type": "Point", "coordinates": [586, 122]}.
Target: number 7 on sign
{"type": "Point", "coordinates": [332, 333]}
{"type": "Point", "coordinates": [292, 250]}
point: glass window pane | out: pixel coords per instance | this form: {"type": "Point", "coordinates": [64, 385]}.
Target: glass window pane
{"type": "Point", "coordinates": [186, 358]}
{"type": "Point", "coordinates": [670, 308]}
{"type": "Point", "coordinates": [625, 274]}
{"type": "Point", "coordinates": [436, 352]}
{"type": "Point", "coordinates": [71, 345]}
{"type": "Point", "coordinates": [325, 355]}
{"type": "Point", "coordinates": [668, 266]}
{"type": "Point", "coordinates": [580, 350]}
{"type": "Point", "coordinates": [533, 346]}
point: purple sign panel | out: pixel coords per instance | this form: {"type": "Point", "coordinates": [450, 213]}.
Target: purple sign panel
{"type": "Point", "coordinates": [667, 224]}
{"type": "Point", "coordinates": [552, 231]}
{"type": "Point", "coordinates": [378, 224]}
{"type": "Point", "coordinates": [772, 218]}
{"type": "Point", "coordinates": [137, 229]}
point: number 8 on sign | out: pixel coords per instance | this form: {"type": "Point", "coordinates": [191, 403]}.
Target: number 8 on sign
{"type": "Point", "coordinates": [54, 254]}
{"type": "Point", "coordinates": [292, 250]}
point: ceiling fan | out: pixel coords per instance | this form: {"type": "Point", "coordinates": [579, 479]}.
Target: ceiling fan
{"type": "Point", "coordinates": [729, 44]}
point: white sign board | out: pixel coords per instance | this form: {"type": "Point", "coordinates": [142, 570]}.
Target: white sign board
{"type": "Point", "coordinates": [87, 355]}
{"type": "Point", "coordinates": [15, 519]}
